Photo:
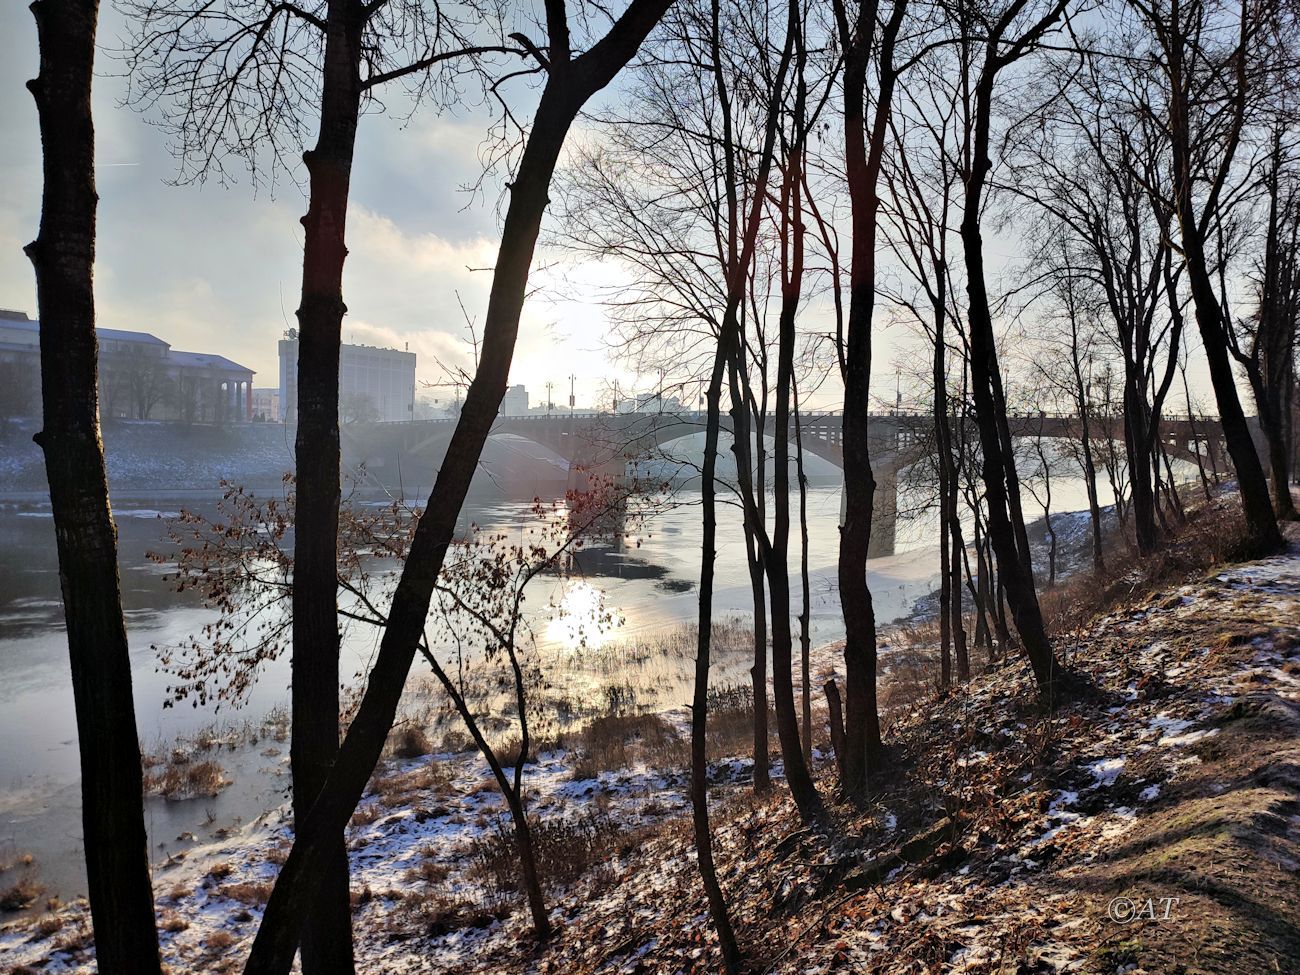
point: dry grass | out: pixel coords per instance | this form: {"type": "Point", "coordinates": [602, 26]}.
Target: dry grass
{"type": "Point", "coordinates": [247, 893]}
{"type": "Point", "coordinates": [438, 913]}
{"type": "Point", "coordinates": [1211, 536]}
{"type": "Point", "coordinates": [410, 741]}
{"type": "Point", "coordinates": [186, 780]}
{"type": "Point", "coordinates": [172, 922]}
{"type": "Point", "coordinates": [21, 895]}
{"type": "Point", "coordinates": [430, 869]}
{"type": "Point", "coordinates": [912, 676]}
{"type": "Point", "coordinates": [49, 925]}
{"type": "Point", "coordinates": [566, 849]}
{"type": "Point", "coordinates": [219, 871]}
{"type": "Point", "coordinates": [404, 786]}
{"type": "Point", "coordinates": [365, 814]}
{"type": "Point", "coordinates": [77, 940]}
{"type": "Point", "coordinates": [616, 741]}
{"type": "Point", "coordinates": [22, 860]}
{"type": "Point", "coordinates": [219, 941]}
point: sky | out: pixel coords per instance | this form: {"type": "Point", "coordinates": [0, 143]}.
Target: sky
{"type": "Point", "coordinates": [216, 269]}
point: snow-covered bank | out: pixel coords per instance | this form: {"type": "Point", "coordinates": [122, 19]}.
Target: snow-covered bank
{"type": "Point", "coordinates": [999, 842]}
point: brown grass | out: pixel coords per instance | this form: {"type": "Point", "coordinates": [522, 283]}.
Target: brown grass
{"type": "Point", "coordinates": [410, 741]}
{"type": "Point", "coordinates": [566, 849]}
{"type": "Point", "coordinates": [172, 922]}
{"type": "Point", "coordinates": [186, 780]}
{"type": "Point", "coordinates": [21, 895]}
{"type": "Point", "coordinates": [616, 741]}
{"type": "Point", "coordinates": [438, 913]}
{"type": "Point", "coordinates": [220, 871]}
{"type": "Point", "coordinates": [219, 941]}
{"type": "Point", "coordinates": [49, 925]}
{"type": "Point", "coordinates": [247, 892]}
{"type": "Point", "coordinates": [1211, 536]}
{"type": "Point", "coordinates": [23, 860]}
{"type": "Point", "coordinates": [405, 787]}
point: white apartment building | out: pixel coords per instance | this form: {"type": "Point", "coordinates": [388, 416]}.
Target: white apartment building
{"type": "Point", "coordinates": [515, 401]}
{"type": "Point", "coordinates": [375, 385]}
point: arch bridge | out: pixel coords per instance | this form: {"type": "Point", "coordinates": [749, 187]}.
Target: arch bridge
{"type": "Point", "coordinates": [604, 444]}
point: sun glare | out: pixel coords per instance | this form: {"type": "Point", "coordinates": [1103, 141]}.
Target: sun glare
{"type": "Point", "coordinates": [582, 620]}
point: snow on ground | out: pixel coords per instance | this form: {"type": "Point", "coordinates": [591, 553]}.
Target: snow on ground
{"type": "Point", "coordinates": [1023, 805]}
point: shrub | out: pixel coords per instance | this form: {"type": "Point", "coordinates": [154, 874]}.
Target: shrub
{"type": "Point", "coordinates": [21, 895]}
{"type": "Point", "coordinates": [186, 780]}
{"type": "Point", "coordinates": [172, 922]}
{"type": "Point", "coordinates": [411, 742]}
{"type": "Point", "coordinates": [565, 848]}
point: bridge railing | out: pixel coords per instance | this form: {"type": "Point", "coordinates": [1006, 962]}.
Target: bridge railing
{"type": "Point", "coordinates": [915, 413]}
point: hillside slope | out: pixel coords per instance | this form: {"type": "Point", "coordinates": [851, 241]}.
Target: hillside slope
{"type": "Point", "coordinates": [1148, 824]}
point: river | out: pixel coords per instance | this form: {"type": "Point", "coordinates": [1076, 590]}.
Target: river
{"type": "Point", "coordinates": [648, 582]}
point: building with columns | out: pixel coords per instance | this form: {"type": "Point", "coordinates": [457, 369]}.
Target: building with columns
{"type": "Point", "coordinates": [141, 377]}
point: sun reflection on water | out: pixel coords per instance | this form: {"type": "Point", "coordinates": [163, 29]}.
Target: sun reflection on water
{"type": "Point", "coordinates": [582, 620]}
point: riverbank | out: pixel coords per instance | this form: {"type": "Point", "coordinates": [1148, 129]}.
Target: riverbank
{"type": "Point", "coordinates": [1001, 836]}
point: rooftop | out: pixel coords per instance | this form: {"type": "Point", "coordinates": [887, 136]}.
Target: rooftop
{"type": "Point", "coordinates": [19, 320]}
{"type": "Point", "coordinates": [205, 360]}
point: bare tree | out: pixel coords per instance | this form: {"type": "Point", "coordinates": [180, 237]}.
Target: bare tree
{"type": "Point", "coordinates": [1093, 165]}
{"type": "Point", "coordinates": [1209, 87]}
{"type": "Point", "coordinates": [857, 32]}
{"type": "Point", "coordinates": [138, 382]}
{"type": "Point", "coordinates": [571, 80]}
{"type": "Point", "coordinates": [1007, 34]}
{"type": "Point", "coordinates": [1271, 332]}
{"type": "Point", "coordinates": [923, 181]}
{"type": "Point", "coordinates": [242, 79]}
{"type": "Point", "coordinates": [63, 255]}
{"type": "Point", "coordinates": [665, 193]}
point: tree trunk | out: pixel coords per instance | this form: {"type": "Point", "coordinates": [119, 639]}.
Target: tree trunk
{"type": "Point", "coordinates": [805, 616]}
{"type": "Point", "coordinates": [1261, 523]}
{"type": "Point", "coordinates": [569, 85]}
{"type": "Point", "coordinates": [1006, 528]}
{"type": "Point", "coordinates": [948, 593]}
{"type": "Point", "coordinates": [1262, 532]}
{"type": "Point", "coordinates": [530, 878]}
{"type": "Point", "coordinates": [777, 562]}
{"type": "Point", "coordinates": [983, 638]}
{"type": "Point", "coordinates": [954, 587]}
{"type": "Point", "coordinates": [1094, 506]}
{"type": "Point", "coordinates": [1141, 491]}
{"type": "Point", "coordinates": [862, 745]}
{"type": "Point", "coordinates": [758, 670]}
{"type": "Point", "coordinates": [835, 711]}
{"type": "Point", "coordinates": [797, 775]}
{"type": "Point", "coordinates": [700, 703]}
{"type": "Point", "coordinates": [63, 255]}
{"type": "Point", "coordinates": [326, 945]}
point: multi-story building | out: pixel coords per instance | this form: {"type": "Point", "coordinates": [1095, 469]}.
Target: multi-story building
{"type": "Point", "coordinates": [141, 377]}
{"type": "Point", "coordinates": [266, 404]}
{"type": "Point", "coordinates": [515, 401]}
{"type": "Point", "coordinates": [374, 384]}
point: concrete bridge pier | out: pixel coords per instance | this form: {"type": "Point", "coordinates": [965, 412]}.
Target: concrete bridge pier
{"type": "Point", "coordinates": [587, 473]}
{"type": "Point", "coordinates": [884, 514]}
